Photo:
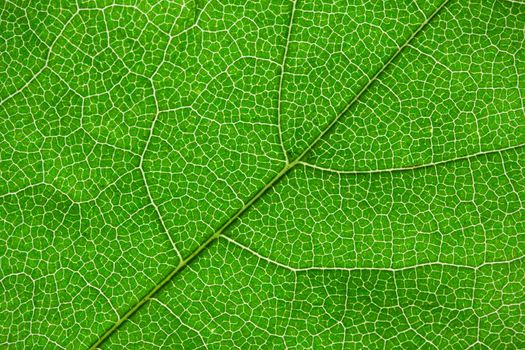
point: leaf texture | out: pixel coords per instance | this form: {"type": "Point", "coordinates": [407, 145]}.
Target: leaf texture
{"type": "Point", "coordinates": [272, 174]}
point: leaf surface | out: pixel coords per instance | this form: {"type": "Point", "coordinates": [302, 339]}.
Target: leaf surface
{"type": "Point", "coordinates": [262, 174]}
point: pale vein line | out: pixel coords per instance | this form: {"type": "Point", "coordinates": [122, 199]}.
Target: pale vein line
{"type": "Point", "coordinates": [46, 62]}
{"type": "Point", "coordinates": [124, 6]}
{"type": "Point", "coordinates": [414, 167]}
{"type": "Point", "coordinates": [171, 312]}
{"type": "Point", "coordinates": [281, 79]}
{"type": "Point", "coordinates": [64, 193]}
{"type": "Point", "coordinates": [350, 269]}
{"type": "Point", "coordinates": [8, 343]}
{"type": "Point", "coordinates": [87, 284]}
{"type": "Point", "coordinates": [407, 320]}
{"type": "Point", "coordinates": [145, 180]}
{"type": "Point", "coordinates": [370, 82]}
{"type": "Point", "coordinates": [144, 151]}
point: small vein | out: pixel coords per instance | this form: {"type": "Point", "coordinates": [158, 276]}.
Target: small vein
{"type": "Point", "coordinates": [44, 66]}
{"type": "Point", "coordinates": [413, 167]}
{"type": "Point", "coordinates": [281, 79]}
{"type": "Point", "coordinates": [370, 82]}
{"type": "Point", "coordinates": [407, 320]}
{"type": "Point", "coordinates": [145, 180]}
{"type": "Point", "coordinates": [364, 268]}
{"type": "Point", "coordinates": [170, 311]}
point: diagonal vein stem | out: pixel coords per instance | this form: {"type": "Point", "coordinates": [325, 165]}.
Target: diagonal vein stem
{"type": "Point", "coordinates": [258, 195]}
{"type": "Point", "coordinates": [185, 262]}
{"type": "Point", "coordinates": [370, 82]}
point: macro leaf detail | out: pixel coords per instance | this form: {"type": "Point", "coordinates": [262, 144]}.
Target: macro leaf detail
{"type": "Point", "coordinates": [272, 174]}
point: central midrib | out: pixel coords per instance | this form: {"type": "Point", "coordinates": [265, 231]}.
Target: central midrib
{"type": "Point", "coordinates": [273, 181]}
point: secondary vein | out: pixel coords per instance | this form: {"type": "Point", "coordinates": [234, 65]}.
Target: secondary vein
{"type": "Point", "coordinates": [281, 79]}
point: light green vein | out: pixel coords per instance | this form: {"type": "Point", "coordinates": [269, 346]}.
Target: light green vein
{"type": "Point", "coordinates": [412, 167]}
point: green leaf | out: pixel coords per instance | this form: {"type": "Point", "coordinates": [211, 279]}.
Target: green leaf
{"type": "Point", "coordinates": [262, 174]}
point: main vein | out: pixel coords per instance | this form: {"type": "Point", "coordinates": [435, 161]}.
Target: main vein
{"type": "Point", "coordinates": [289, 165]}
